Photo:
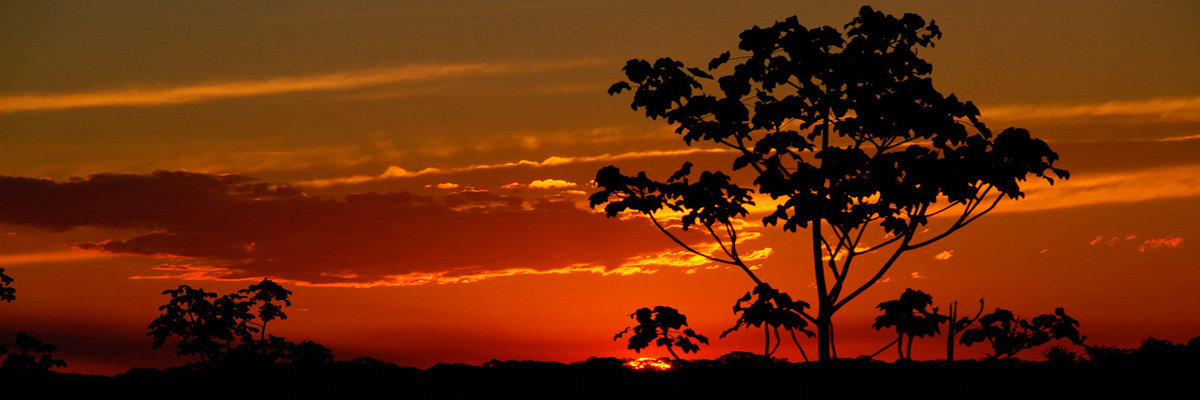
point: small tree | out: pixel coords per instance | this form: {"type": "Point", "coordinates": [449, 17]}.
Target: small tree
{"type": "Point", "coordinates": [908, 315]}
{"type": "Point", "coordinates": [665, 327]}
{"type": "Point", "coordinates": [1009, 335]}
{"type": "Point", "coordinates": [32, 354]}
{"type": "Point", "coordinates": [216, 327]}
{"type": "Point", "coordinates": [771, 309]}
{"type": "Point", "coordinates": [844, 132]}
{"type": "Point", "coordinates": [7, 292]}
{"type": "Point", "coordinates": [191, 316]}
{"type": "Point", "coordinates": [267, 295]}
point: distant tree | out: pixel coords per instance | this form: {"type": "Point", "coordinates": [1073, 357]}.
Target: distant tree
{"type": "Point", "coordinates": [309, 353]}
{"type": "Point", "coordinates": [1009, 335]}
{"type": "Point", "coordinates": [223, 328]}
{"type": "Point", "coordinates": [771, 309]}
{"type": "Point", "coordinates": [664, 326]}
{"type": "Point", "coordinates": [268, 296]}
{"type": "Point", "coordinates": [32, 354]}
{"type": "Point", "coordinates": [844, 132]}
{"type": "Point", "coordinates": [191, 316]}
{"type": "Point", "coordinates": [7, 292]}
{"type": "Point", "coordinates": [908, 315]}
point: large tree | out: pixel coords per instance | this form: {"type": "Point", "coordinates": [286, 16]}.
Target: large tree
{"type": "Point", "coordinates": [843, 131]}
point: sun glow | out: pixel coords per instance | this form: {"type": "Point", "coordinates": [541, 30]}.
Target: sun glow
{"type": "Point", "coordinates": [646, 363]}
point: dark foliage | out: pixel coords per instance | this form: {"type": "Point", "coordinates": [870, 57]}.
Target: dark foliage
{"type": "Point", "coordinates": [7, 292]}
{"type": "Point", "coordinates": [32, 354]}
{"type": "Point", "coordinates": [735, 375]}
{"type": "Point", "coordinates": [1009, 335]}
{"type": "Point", "coordinates": [221, 329]}
{"type": "Point", "coordinates": [909, 316]}
{"type": "Point", "coordinates": [843, 129]}
{"type": "Point", "coordinates": [771, 309]}
{"type": "Point", "coordinates": [664, 326]}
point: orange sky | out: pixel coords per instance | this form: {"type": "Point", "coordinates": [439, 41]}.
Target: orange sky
{"type": "Point", "coordinates": [417, 174]}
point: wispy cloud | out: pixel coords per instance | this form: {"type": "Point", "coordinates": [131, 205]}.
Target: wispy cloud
{"type": "Point", "coordinates": [52, 256]}
{"type": "Point", "coordinates": [345, 80]}
{"type": "Point", "coordinates": [1163, 109]}
{"type": "Point", "coordinates": [1115, 187]}
{"type": "Point", "coordinates": [398, 172]}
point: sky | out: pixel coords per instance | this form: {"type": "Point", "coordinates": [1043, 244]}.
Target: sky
{"type": "Point", "coordinates": [417, 172]}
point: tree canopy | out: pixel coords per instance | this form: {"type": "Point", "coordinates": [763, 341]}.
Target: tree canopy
{"type": "Point", "coordinates": [843, 132]}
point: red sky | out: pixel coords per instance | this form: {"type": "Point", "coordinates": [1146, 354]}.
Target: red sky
{"type": "Point", "coordinates": [417, 174]}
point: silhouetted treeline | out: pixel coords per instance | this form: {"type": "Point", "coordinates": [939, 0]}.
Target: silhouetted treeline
{"type": "Point", "coordinates": [1155, 367]}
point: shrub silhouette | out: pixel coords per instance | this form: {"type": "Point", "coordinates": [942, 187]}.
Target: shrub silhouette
{"type": "Point", "coordinates": [771, 309]}
{"type": "Point", "coordinates": [844, 131]}
{"type": "Point", "coordinates": [909, 317]}
{"type": "Point", "coordinates": [665, 327]}
{"type": "Point", "coordinates": [1009, 335]}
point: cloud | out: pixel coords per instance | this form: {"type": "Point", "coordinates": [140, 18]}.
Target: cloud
{"type": "Point", "coordinates": [1110, 187]}
{"type": "Point", "coordinates": [205, 226]}
{"type": "Point", "coordinates": [551, 184]}
{"type": "Point", "coordinates": [1163, 109]}
{"type": "Point", "coordinates": [444, 185]}
{"type": "Point", "coordinates": [394, 172]}
{"type": "Point", "coordinates": [945, 255]}
{"type": "Point", "coordinates": [205, 92]}
{"type": "Point", "coordinates": [1157, 243]}
{"type": "Point", "coordinates": [51, 256]}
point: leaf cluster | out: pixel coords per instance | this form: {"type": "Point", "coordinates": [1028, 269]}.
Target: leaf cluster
{"type": "Point", "coordinates": [769, 306]}
{"type": "Point", "coordinates": [665, 327]}
{"type": "Point", "coordinates": [1008, 334]}
{"type": "Point", "coordinates": [909, 316]}
{"type": "Point", "coordinates": [7, 292]}
{"type": "Point", "coordinates": [848, 129]}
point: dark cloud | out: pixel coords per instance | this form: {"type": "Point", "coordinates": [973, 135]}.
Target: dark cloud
{"type": "Point", "coordinates": [251, 229]}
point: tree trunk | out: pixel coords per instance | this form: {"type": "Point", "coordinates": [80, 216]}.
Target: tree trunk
{"type": "Point", "coordinates": [951, 331]}
{"type": "Point", "coordinates": [824, 337]}
{"type": "Point", "coordinates": [766, 341]}
{"type": "Point", "coordinates": [672, 351]}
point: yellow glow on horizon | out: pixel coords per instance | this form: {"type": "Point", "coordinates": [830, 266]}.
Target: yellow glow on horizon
{"type": "Point", "coordinates": [647, 363]}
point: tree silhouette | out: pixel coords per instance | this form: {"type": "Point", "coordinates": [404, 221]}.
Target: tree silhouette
{"type": "Point", "coordinates": [267, 295]}
{"type": "Point", "coordinates": [662, 326]}
{"type": "Point", "coordinates": [1008, 335]}
{"type": "Point", "coordinates": [222, 328]}
{"type": "Point", "coordinates": [771, 309]}
{"type": "Point", "coordinates": [909, 317]}
{"type": "Point", "coordinates": [7, 292]}
{"type": "Point", "coordinates": [192, 316]}
{"type": "Point", "coordinates": [32, 354]}
{"type": "Point", "coordinates": [845, 134]}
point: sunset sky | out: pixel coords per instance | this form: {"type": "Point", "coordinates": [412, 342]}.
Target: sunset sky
{"type": "Point", "coordinates": [417, 172]}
